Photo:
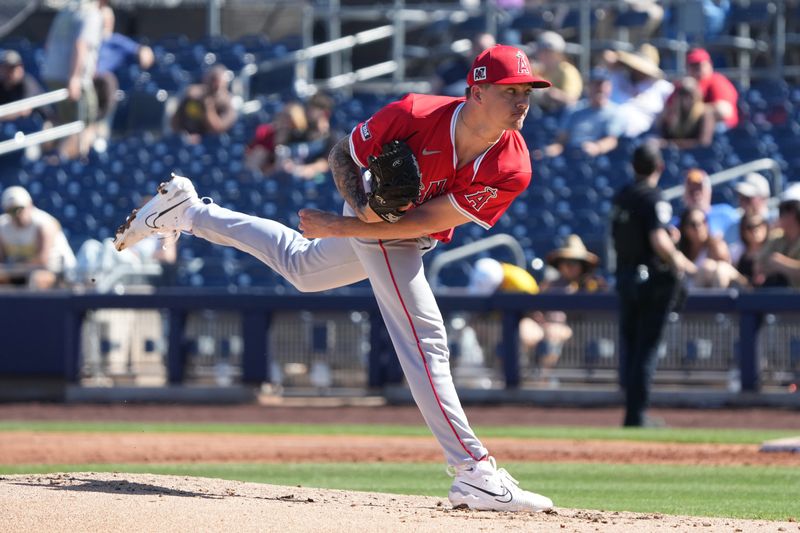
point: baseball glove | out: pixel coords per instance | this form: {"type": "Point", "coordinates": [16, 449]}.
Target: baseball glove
{"type": "Point", "coordinates": [395, 181]}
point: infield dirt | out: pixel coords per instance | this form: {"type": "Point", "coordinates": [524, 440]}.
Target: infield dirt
{"type": "Point", "coordinates": [80, 502]}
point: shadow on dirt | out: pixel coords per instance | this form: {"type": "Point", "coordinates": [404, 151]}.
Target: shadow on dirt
{"type": "Point", "coordinates": [112, 487]}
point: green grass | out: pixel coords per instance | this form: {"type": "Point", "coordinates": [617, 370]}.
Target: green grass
{"type": "Point", "coordinates": [712, 436]}
{"type": "Point", "coordinates": [734, 491]}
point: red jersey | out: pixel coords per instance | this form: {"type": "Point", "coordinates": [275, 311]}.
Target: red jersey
{"type": "Point", "coordinates": [717, 87]}
{"type": "Point", "coordinates": [482, 190]}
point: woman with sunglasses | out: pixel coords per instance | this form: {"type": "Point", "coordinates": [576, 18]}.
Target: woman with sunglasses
{"type": "Point", "coordinates": [709, 253]}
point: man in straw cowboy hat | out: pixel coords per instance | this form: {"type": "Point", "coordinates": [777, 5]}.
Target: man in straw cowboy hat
{"type": "Point", "coordinates": [575, 265]}
{"type": "Point", "coordinates": [572, 270]}
{"type": "Point", "coordinates": [638, 86]}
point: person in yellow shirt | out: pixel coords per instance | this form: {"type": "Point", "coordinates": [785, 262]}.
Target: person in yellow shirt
{"type": "Point", "coordinates": [542, 334]}
{"type": "Point", "coordinates": [552, 65]}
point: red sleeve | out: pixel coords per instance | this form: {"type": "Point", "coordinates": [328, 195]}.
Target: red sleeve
{"type": "Point", "coordinates": [388, 124]}
{"type": "Point", "coordinates": [485, 203]}
{"type": "Point", "coordinates": [722, 89]}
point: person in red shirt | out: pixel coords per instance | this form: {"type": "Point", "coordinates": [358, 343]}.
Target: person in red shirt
{"type": "Point", "coordinates": [717, 90]}
{"type": "Point", "coordinates": [473, 163]}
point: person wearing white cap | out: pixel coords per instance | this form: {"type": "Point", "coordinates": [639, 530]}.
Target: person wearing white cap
{"type": "Point", "coordinates": [778, 264]}
{"type": "Point", "coordinates": [33, 249]}
{"type": "Point", "coordinates": [754, 192]}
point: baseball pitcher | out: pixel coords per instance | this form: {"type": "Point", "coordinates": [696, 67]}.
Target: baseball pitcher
{"type": "Point", "coordinates": [434, 163]}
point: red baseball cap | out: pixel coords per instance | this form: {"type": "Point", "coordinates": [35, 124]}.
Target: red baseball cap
{"type": "Point", "coordinates": [503, 65]}
{"type": "Point", "coordinates": [697, 55]}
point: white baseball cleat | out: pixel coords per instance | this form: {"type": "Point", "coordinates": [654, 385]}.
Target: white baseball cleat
{"type": "Point", "coordinates": [484, 487]}
{"type": "Point", "coordinates": [163, 215]}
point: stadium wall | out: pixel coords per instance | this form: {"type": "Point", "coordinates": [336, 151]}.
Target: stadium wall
{"type": "Point", "coordinates": [40, 334]}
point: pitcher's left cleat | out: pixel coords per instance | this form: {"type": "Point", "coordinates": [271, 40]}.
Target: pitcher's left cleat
{"type": "Point", "coordinates": [163, 215]}
{"type": "Point", "coordinates": [484, 487]}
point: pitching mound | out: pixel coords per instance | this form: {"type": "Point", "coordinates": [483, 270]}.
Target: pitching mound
{"type": "Point", "coordinates": [143, 502]}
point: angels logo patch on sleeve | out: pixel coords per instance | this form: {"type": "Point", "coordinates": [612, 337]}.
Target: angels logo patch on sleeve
{"type": "Point", "coordinates": [478, 199]}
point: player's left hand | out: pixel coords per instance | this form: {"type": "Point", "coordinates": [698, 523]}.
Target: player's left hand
{"type": "Point", "coordinates": [316, 224]}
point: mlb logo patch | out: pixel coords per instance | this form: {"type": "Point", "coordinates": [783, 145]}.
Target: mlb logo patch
{"type": "Point", "coordinates": [365, 134]}
{"type": "Point", "coordinates": [479, 74]}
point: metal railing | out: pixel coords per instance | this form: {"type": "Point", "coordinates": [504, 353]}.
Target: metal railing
{"type": "Point", "coordinates": [473, 248]}
{"type": "Point", "coordinates": [733, 173]}
{"type": "Point", "coordinates": [21, 140]}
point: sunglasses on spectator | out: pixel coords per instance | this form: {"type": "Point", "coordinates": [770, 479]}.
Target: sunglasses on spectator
{"type": "Point", "coordinates": [14, 211]}
{"type": "Point", "coordinates": [696, 223]}
{"type": "Point", "coordinates": [755, 226]}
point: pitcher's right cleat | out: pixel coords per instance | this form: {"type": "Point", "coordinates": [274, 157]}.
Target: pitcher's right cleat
{"type": "Point", "coordinates": [162, 215]}
{"type": "Point", "coordinates": [484, 487]}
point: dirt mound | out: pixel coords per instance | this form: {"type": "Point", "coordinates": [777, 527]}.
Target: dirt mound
{"type": "Point", "coordinates": [144, 502]}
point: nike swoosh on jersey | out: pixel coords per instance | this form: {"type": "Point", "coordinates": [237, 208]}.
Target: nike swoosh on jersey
{"type": "Point", "coordinates": [506, 493]}
{"type": "Point", "coordinates": [425, 151]}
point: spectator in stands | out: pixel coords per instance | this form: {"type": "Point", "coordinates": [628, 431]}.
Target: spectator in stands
{"type": "Point", "coordinates": [15, 83]}
{"type": "Point", "coordinates": [594, 127]}
{"type": "Point", "coordinates": [70, 61]}
{"type": "Point", "coordinates": [269, 148]}
{"type": "Point", "coordinates": [709, 254]}
{"type": "Point", "coordinates": [552, 65]}
{"type": "Point", "coordinates": [753, 192]}
{"type": "Point", "coordinates": [572, 269]}
{"type": "Point", "coordinates": [608, 27]}
{"type": "Point", "coordinates": [98, 260]}
{"type": "Point", "coordinates": [575, 268]}
{"type": "Point", "coordinates": [778, 263]}
{"type": "Point", "coordinates": [309, 160]}
{"type": "Point", "coordinates": [717, 90]}
{"type": "Point", "coordinates": [450, 75]}
{"type": "Point", "coordinates": [753, 234]}
{"type": "Point", "coordinates": [686, 121]}
{"type": "Point", "coordinates": [116, 51]}
{"type": "Point", "coordinates": [206, 108]}
{"type": "Point", "coordinates": [541, 335]}
{"type": "Point", "coordinates": [34, 251]}
{"type": "Point", "coordinates": [697, 194]}
{"type": "Point", "coordinates": [638, 87]}
{"type": "Point", "coordinates": [487, 277]}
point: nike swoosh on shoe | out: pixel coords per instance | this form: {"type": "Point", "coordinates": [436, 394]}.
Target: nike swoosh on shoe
{"type": "Point", "coordinates": [152, 224]}
{"type": "Point", "coordinates": [506, 493]}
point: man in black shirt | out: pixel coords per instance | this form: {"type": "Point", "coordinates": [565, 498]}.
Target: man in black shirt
{"type": "Point", "coordinates": [649, 268]}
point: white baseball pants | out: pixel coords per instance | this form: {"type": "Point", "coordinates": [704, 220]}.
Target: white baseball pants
{"type": "Point", "coordinates": [404, 297]}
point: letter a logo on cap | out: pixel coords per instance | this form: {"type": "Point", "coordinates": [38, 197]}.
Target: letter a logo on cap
{"type": "Point", "coordinates": [479, 73]}
{"type": "Point", "coordinates": [522, 64]}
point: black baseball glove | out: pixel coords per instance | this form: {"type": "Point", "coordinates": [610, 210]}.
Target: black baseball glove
{"type": "Point", "coordinates": [395, 181]}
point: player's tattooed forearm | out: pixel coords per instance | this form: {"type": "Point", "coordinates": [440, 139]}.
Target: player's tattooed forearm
{"type": "Point", "coordinates": [347, 175]}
